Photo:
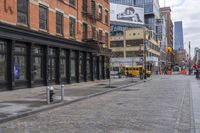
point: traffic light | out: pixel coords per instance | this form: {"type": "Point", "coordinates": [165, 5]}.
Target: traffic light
{"type": "Point", "coordinates": [169, 50]}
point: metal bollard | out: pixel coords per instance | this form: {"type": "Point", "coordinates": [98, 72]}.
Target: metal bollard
{"type": "Point", "coordinates": [62, 92]}
{"type": "Point", "coordinates": [48, 94]}
{"type": "Point", "coordinates": [51, 93]}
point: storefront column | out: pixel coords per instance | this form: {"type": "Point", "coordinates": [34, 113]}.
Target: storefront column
{"type": "Point", "coordinates": [85, 66]}
{"type": "Point", "coordinates": [58, 77]}
{"type": "Point", "coordinates": [98, 69]}
{"type": "Point", "coordinates": [10, 66]}
{"type": "Point", "coordinates": [46, 68]}
{"type": "Point", "coordinates": [77, 66]}
{"type": "Point", "coordinates": [103, 66]}
{"type": "Point", "coordinates": [30, 65]}
{"type": "Point", "coordinates": [68, 66]}
{"type": "Point", "coordinates": [92, 67]}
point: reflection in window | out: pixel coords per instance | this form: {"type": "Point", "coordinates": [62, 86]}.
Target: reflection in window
{"type": "Point", "coordinates": [73, 68]}
{"type": "Point", "coordinates": [37, 68]}
{"type": "Point", "coordinates": [22, 11]}
{"type": "Point", "coordinates": [19, 67]}
{"type": "Point", "coordinates": [63, 67]}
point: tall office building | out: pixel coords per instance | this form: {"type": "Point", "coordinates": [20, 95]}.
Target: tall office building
{"type": "Point", "coordinates": [166, 13]}
{"type": "Point", "coordinates": [178, 35]}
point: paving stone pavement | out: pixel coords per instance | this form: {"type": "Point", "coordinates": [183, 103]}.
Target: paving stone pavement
{"type": "Point", "coordinates": [18, 103]}
{"type": "Point", "coordinates": [162, 105]}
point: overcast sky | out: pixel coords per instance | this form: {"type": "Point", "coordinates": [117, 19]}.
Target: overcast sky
{"type": "Point", "coordinates": [187, 11]}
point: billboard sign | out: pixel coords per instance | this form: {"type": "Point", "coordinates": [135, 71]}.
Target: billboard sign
{"type": "Point", "coordinates": [126, 14]}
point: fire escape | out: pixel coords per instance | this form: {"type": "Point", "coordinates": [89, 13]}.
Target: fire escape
{"type": "Point", "coordinates": [93, 36]}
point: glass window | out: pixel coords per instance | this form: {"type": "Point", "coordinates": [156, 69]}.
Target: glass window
{"type": "Point", "coordinates": [37, 50]}
{"type": "Point", "coordinates": [88, 65]}
{"type": "Point", "coordinates": [100, 35]}
{"type": "Point", "coordinates": [51, 51]}
{"type": "Point", "coordinates": [59, 22]}
{"type": "Point", "coordinates": [37, 68]}
{"type": "Point", "coordinates": [84, 5]}
{"type": "Point", "coordinates": [2, 67]}
{"type": "Point", "coordinates": [63, 67]}
{"type": "Point", "coordinates": [73, 68]}
{"type": "Point", "coordinates": [20, 50]}
{"type": "Point", "coordinates": [106, 17]}
{"type": "Point", "coordinates": [100, 11]}
{"type": "Point", "coordinates": [81, 65]}
{"type": "Point", "coordinates": [43, 16]}
{"type": "Point", "coordinates": [72, 2]}
{"type": "Point", "coordinates": [22, 11]}
{"type": "Point", "coordinates": [19, 67]}
{"type": "Point", "coordinates": [106, 39]}
{"type": "Point", "coordinates": [52, 69]}
{"type": "Point", "coordinates": [84, 31]}
{"type": "Point", "coordinates": [72, 24]}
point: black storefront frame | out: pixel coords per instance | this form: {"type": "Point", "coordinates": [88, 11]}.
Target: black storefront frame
{"type": "Point", "coordinates": [13, 34]}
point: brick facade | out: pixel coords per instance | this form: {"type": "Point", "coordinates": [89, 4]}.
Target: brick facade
{"type": "Point", "coordinates": [8, 14]}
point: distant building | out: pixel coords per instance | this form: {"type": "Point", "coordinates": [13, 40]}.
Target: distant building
{"type": "Point", "coordinates": [181, 57]}
{"type": "Point", "coordinates": [166, 12]}
{"type": "Point", "coordinates": [178, 35]}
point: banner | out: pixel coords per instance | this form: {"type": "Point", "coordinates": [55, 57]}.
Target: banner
{"type": "Point", "coordinates": [126, 14]}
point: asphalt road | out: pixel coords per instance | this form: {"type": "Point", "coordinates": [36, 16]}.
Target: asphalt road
{"type": "Point", "coordinates": [162, 105]}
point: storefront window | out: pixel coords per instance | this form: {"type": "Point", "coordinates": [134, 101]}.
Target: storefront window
{"type": "Point", "coordinates": [37, 63]}
{"type": "Point", "coordinates": [2, 60]}
{"type": "Point", "coordinates": [100, 67]}
{"type": "Point", "coordinates": [73, 65]}
{"type": "Point", "coordinates": [19, 67]}
{"type": "Point", "coordinates": [52, 64]}
{"type": "Point", "coordinates": [81, 66]}
{"type": "Point", "coordinates": [88, 66]}
{"type": "Point", "coordinates": [63, 67]}
{"type": "Point", "coordinates": [2, 67]}
{"type": "Point", "coordinates": [37, 68]}
{"type": "Point", "coordinates": [20, 62]}
{"type": "Point", "coordinates": [95, 67]}
{"type": "Point", "coordinates": [63, 63]}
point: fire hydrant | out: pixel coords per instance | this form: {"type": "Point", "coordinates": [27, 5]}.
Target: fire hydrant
{"type": "Point", "coordinates": [51, 93]}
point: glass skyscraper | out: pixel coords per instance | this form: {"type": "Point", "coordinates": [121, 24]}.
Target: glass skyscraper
{"type": "Point", "coordinates": [178, 36]}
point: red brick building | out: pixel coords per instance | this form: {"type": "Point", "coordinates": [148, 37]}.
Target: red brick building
{"type": "Point", "coordinates": [46, 42]}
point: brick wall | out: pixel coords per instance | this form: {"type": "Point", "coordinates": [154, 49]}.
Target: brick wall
{"type": "Point", "coordinates": [8, 14]}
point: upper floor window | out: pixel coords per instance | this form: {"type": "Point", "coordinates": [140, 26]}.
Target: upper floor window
{"type": "Point", "coordinates": [85, 31]}
{"type": "Point", "coordinates": [106, 16]}
{"type": "Point", "coordinates": [84, 5]}
{"type": "Point", "coordinates": [59, 23]}
{"type": "Point", "coordinates": [72, 2]}
{"type": "Point", "coordinates": [100, 11]}
{"type": "Point", "coordinates": [43, 15]}
{"type": "Point", "coordinates": [106, 39]}
{"type": "Point", "coordinates": [72, 27]}
{"type": "Point", "coordinates": [100, 35]}
{"type": "Point", "coordinates": [22, 11]}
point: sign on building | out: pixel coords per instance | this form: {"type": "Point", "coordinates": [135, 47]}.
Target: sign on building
{"type": "Point", "coordinates": [126, 14]}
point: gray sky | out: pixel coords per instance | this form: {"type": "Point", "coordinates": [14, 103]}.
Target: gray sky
{"type": "Point", "coordinates": [187, 11]}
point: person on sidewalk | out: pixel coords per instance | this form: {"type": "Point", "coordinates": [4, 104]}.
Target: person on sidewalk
{"type": "Point", "coordinates": [197, 73]}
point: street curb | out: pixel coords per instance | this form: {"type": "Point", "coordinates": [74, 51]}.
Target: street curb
{"type": "Point", "coordinates": [53, 106]}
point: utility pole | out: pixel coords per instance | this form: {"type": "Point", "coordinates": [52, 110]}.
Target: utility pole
{"type": "Point", "coordinates": [189, 60]}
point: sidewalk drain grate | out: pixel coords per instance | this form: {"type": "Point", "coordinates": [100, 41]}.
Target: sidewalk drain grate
{"type": "Point", "coordinates": [130, 90]}
{"type": "Point", "coordinates": [101, 84]}
{"type": "Point", "coordinates": [110, 87]}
